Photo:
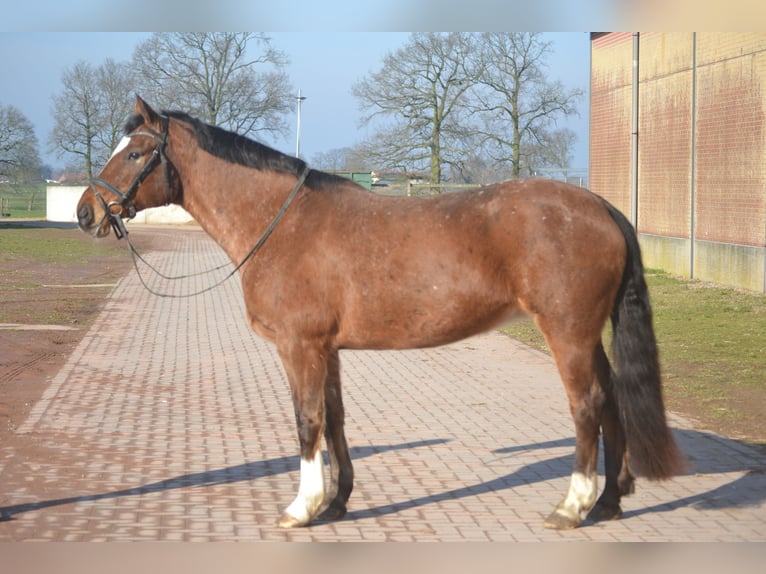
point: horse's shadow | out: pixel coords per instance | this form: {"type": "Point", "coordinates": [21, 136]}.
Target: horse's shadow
{"type": "Point", "coordinates": [710, 454]}
{"type": "Point", "coordinates": [230, 475]}
{"type": "Point", "coordinates": [749, 490]}
{"type": "Point", "coordinates": [707, 453]}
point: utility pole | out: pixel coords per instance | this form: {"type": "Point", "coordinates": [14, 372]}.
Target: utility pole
{"type": "Point", "coordinates": [298, 131]}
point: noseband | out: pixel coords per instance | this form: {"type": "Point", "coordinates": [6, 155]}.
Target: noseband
{"type": "Point", "coordinates": [125, 200]}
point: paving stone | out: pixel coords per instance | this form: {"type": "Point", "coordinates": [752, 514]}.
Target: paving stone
{"type": "Point", "coordinates": [172, 421]}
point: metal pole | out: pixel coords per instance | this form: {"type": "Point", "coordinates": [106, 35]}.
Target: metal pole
{"type": "Point", "coordinates": [634, 137]}
{"type": "Point", "coordinates": [693, 198]}
{"type": "Point", "coordinates": [298, 131]}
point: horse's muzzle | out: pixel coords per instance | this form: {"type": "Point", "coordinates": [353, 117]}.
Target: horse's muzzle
{"type": "Point", "coordinates": [85, 217]}
{"type": "Point", "coordinates": [86, 220]}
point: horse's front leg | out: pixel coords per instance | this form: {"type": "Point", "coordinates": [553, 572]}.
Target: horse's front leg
{"type": "Point", "coordinates": [306, 367]}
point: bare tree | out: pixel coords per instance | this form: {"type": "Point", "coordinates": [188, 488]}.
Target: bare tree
{"type": "Point", "coordinates": [117, 84]}
{"type": "Point", "coordinates": [478, 168]}
{"type": "Point", "coordinates": [233, 80]}
{"type": "Point", "coordinates": [19, 152]}
{"type": "Point", "coordinates": [76, 116]}
{"type": "Point", "coordinates": [332, 160]}
{"type": "Point", "coordinates": [553, 151]}
{"type": "Point", "coordinates": [423, 88]}
{"type": "Point", "coordinates": [517, 102]}
{"type": "Point", "coordinates": [90, 112]}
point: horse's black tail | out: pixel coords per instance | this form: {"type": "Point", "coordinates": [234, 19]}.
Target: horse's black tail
{"type": "Point", "coordinates": [637, 386]}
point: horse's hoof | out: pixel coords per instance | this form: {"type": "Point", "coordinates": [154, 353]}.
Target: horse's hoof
{"type": "Point", "coordinates": [561, 520]}
{"type": "Point", "coordinates": [332, 513]}
{"type": "Point", "coordinates": [603, 512]}
{"type": "Point", "coordinates": [288, 521]}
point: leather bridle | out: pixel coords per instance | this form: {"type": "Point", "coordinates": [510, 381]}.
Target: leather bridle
{"type": "Point", "coordinates": [125, 201]}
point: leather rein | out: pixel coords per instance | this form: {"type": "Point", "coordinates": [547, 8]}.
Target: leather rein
{"type": "Point", "coordinates": [126, 198]}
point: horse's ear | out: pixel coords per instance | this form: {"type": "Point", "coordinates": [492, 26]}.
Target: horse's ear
{"type": "Point", "coordinates": [145, 111]}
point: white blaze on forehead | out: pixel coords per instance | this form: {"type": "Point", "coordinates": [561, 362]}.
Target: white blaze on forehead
{"type": "Point", "coordinates": [120, 146]}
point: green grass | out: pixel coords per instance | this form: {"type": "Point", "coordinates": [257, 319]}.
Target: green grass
{"type": "Point", "coordinates": [48, 245]}
{"type": "Point", "coordinates": [713, 346]}
{"type": "Point", "coordinates": [712, 343]}
{"type": "Point", "coordinates": [31, 258]}
{"type": "Point", "coordinates": [16, 201]}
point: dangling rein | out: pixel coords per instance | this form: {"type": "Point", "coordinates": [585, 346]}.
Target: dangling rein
{"type": "Point", "coordinates": [135, 255]}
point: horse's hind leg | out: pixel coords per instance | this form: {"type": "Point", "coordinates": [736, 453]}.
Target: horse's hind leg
{"type": "Point", "coordinates": [576, 364]}
{"type": "Point", "coordinates": [619, 480]}
{"type": "Point", "coordinates": [341, 470]}
{"type": "Point", "coordinates": [306, 367]}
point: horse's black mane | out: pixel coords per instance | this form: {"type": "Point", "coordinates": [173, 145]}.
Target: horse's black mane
{"type": "Point", "coordinates": [239, 149]}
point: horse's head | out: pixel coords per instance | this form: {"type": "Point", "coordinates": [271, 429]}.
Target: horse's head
{"type": "Point", "coordinates": [137, 175]}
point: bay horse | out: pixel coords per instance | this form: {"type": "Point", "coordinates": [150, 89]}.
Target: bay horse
{"type": "Point", "coordinates": [340, 267]}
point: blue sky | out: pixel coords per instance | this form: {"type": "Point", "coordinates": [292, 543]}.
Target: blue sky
{"type": "Point", "coordinates": [323, 65]}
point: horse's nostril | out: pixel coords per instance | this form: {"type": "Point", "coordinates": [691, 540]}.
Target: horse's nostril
{"type": "Point", "coordinates": [85, 215]}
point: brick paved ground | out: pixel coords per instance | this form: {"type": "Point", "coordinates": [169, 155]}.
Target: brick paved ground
{"type": "Point", "coordinates": [172, 421]}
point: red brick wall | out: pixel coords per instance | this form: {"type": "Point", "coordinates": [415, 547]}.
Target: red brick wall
{"type": "Point", "coordinates": [611, 73]}
{"type": "Point", "coordinates": [730, 171]}
{"type": "Point", "coordinates": [731, 138]}
{"type": "Point", "coordinates": [664, 134]}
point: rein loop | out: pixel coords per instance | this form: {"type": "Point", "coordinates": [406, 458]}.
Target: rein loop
{"type": "Point", "coordinates": [269, 230]}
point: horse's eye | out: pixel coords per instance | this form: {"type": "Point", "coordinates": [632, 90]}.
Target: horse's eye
{"type": "Point", "coordinates": [134, 155]}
